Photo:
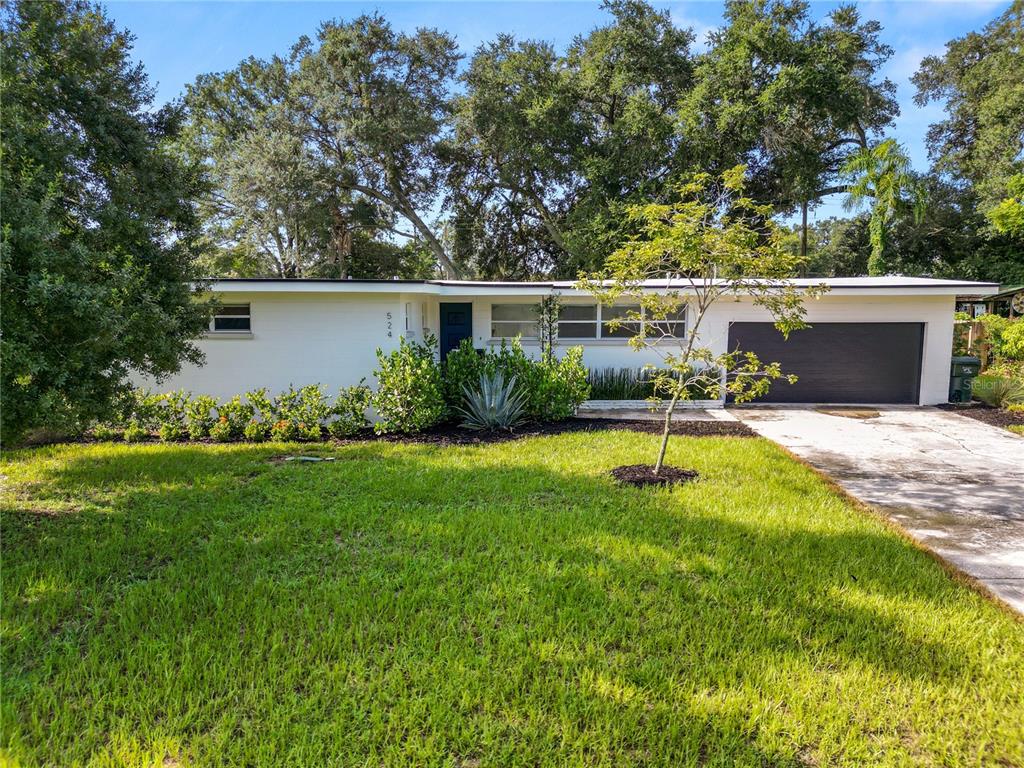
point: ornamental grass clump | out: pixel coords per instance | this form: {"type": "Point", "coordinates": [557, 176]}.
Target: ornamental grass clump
{"type": "Point", "coordinates": [999, 391]}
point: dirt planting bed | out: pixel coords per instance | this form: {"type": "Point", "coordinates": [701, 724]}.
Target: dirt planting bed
{"type": "Point", "coordinates": [642, 475]}
{"type": "Point", "coordinates": [997, 417]}
{"type": "Point", "coordinates": [454, 435]}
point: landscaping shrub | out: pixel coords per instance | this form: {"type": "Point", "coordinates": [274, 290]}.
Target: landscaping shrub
{"type": "Point", "coordinates": [461, 370]}
{"type": "Point", "coordinates": [221, 431]}
{"type": "Point", "coordinates": [300, 413]}
{"type": "Point", "coordinates": [104, 432]}
{"type": "Point", "coordinates": [996, 328]}
{"type": "Point", "coordinates": [284, 431]}
{"type": "Point", "coordinates": [134, 432]}
{"type": "Point", "coordinates": [553, 389]}
{"type": "Point", "coordinates": [1010, 369]}
{"type": "Point", "coordinates": [349, 411]}
{"type": "Point", "coordinates": [232, 417]}
{"type": "Point", "coordinates": [172, 416]}
{"type": "Point", "coordinates": [171, 432]}
{"type": "Point", "coordinates": [1013, 341]}
{"type": "Point", "coordinates": [410, 392]}
{"type": "Point", "coordinates": [144, 409]}
{"type": "Point", "coordinates": [561, 387]}
{"type": "Point", "coordinates": [998, 391]}
{"type": "Point", "coordinates": [199, 416]}
{"type": "Point", "coordinates": [257, 430]}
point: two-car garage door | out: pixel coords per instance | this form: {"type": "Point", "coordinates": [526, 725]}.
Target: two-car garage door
{"type": "Point", "coordinates": [839, 362]}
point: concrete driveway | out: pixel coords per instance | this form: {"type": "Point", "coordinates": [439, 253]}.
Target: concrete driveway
{"type": "Point", "coordinates": [954, 483]}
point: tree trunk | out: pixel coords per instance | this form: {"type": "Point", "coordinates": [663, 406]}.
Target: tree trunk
{"type": "Point", "coordinates": [548, 221]}
{"type": "Point", "coordinates": [447, 265]}
{"type": "Point", "coordinates": [664, 435]}
{"type": "Point", "coordinates": [803, 230]}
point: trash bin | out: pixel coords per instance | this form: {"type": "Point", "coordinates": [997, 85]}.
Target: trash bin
{"type": "Point", "coordinates": [961, 378]}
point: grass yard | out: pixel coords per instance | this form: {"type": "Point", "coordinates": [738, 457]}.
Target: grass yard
{"type": "Point", "coordinates": [494, 605]}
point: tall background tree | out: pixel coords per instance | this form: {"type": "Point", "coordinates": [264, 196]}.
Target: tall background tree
{"type": "Point", "coordinates": [365, 152]}
{"type": "Point", "coordinates": [792, 98]}
{"type": "Point", "coordinates": [980, 81]}
{"type": "Point", "coordinates": [99, 237]}
{"type": "Point", "coordinates": [312, 158]}
{"type": "Point", "coordinates": [883, 176]}
{"type": "Point", "coordinates": [559, 144]}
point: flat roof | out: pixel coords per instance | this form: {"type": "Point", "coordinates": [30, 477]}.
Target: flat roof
{"type": "Point", "coordinates": [889, 285]}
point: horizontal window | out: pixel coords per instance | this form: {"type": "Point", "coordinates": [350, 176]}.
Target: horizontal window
{"type": "Point", "coordinates": [231, 317]}
{"type": "Point", "coordinates": [586, 321]}
{"type": "Point", "coordinates": [674, 325]}
{"type": "Point", "coordinates": [578, 321]}
{"type": "Point", "coordinates": [627, 328]}
{"type": "Point", "coordinates": [511, 320]}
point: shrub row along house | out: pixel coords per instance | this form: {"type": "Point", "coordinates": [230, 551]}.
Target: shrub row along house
{"type": "Point", "coordinates": [871, 341]}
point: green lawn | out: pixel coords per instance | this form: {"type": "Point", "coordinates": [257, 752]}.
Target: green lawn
{"type": "Point", "coordinates": [482, 606]}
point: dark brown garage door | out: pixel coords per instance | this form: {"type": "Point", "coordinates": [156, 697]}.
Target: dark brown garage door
{"type": "Point", "coordinates": [839, 362]}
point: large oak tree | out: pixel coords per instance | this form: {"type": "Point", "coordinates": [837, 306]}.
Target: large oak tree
{"type": "Point", "coordinates": [99, 237]}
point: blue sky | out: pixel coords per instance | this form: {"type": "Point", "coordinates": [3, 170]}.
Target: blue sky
{"type": "Point", "coordinates": [177, 41]}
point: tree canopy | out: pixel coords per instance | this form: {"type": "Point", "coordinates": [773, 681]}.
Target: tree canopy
{"type": "Point", "coordinates": [367, 152]}
{"type": "Point", "coordinates": [347, 134]}
{"type": "Point", "coordinates": [99, 236]}
{"type": "Point", "coordinates": [980, 81]}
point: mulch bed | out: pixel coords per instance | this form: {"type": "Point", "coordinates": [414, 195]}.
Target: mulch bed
{"type": "Point", "coordinates": [641, 475]}
{"type": "Point", "coordinates": [455, 435]}
{"type": "Point", "coordinates": [997, 417]}
{"type": "Point", "coordinates": [452, 434]}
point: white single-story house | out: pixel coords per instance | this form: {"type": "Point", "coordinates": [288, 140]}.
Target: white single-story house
{"type": "Point", "coordinates": [871, 341]}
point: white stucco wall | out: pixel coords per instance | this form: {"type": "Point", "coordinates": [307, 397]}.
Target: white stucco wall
{"type": "Point", "coordinates": [936, 312]}
{"type": "Point", "coordinates": [296, 339]}
{"type": "Point", "coordinates": [330, 338]}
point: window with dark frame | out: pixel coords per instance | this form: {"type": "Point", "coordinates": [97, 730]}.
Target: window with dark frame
{"type": "Point", "coordinates": [231, 318]}
{"type": "Point", "coordinates": [587, 321]}
{"type": "Point", "coordinates": [511, 320]}
{"type": "Point", "coordinates": [577, 321]}
{"type": "Point", "coordinates": [629, 325]}
{"type": "Point", "coordinates": [673, 326]}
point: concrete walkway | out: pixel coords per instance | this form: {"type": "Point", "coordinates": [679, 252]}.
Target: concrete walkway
{"type": "Point", "coordinates": [954, 483]}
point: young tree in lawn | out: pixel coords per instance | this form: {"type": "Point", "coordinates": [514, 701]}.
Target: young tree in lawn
{"type": "Point", "coordinates": [712, 244]}
{"type": "Point", "coordinates": [99, 239]}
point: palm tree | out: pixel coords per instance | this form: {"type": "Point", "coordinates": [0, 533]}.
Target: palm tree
{"type": "Point", "coordinates": [883, 173]}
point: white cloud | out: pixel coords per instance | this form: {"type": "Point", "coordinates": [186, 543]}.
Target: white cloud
{"type": "Point", "coordinates": [700, 28]}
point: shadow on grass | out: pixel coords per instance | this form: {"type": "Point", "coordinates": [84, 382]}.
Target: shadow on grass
{"type": "Point", "coordinates": [410, 602]}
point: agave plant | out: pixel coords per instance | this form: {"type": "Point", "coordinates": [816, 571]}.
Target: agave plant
{"type": "Point", "coordinates": [496, 404]}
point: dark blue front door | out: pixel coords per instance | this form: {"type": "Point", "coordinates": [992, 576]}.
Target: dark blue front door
{"type": "Point", "coordinates": [456, 325]}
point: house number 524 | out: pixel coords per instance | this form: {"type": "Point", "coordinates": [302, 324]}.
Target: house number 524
{"type": "Point", "coordinates": [389, 324]}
